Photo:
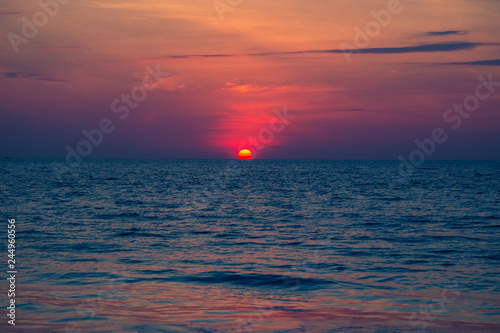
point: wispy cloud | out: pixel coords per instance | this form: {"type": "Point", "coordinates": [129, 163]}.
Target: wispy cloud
{"type": "Point", "coordinates": [350, 110]}
{"type": "Point", "coordinates": [201, 56]}
{"type": "Point", "coordinates": [12, 75]}
{"type": "Point", "coordinates": [32, 76]}
{"type": "Point", "coordinates": [434, 47]}
{"type": "Point", "coordinates": [494, 62]}
{"type": "Point", "coordinates": [9, 12]}
{"type": "Point", "coordinates": [447, 33]}
{"type": "Point", "coordinates": [60, 47]}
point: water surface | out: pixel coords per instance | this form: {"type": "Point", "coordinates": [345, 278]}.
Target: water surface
{"type": "Point", "coordinates": [255, 246]}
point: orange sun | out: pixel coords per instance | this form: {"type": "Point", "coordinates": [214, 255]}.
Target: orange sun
{"type": "Point", "coordinates": [245, 154]}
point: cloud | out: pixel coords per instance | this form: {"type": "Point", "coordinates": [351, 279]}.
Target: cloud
{"type": "Point", "coordinates": [447, 33]}
{"type": "Point", "coordinates": [60, 47]}
{"type": "Point", "coordinates": [350, 110]}
{"type": "Point", "coordinates": [434, 47]}
{"type": "Point", "coordinates": [237, 86]}
{"type": "Point", "coordinates": [200, 56]}
{"type": "Point", "coordinates": [25, 75]}
{"type": "Point", "coordinates": [12, 75]}
{"type": "Point", "coordinates": [244, 88]}
{"type": "Point", "coordinates": [494, 62]}
{"type": "Point", "coordinates": [9, 12]}
{"type": "Point", "coordinates": [51, 79]}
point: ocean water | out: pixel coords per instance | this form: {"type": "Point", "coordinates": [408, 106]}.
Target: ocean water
{"type": "Point", "coordinates": [253, 246]}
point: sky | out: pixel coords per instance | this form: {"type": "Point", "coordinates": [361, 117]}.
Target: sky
{"type": "Point", "coordinates": [287, 79]}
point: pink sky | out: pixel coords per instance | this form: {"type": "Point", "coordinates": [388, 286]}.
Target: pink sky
{"type": "Point", "coordinates": [227, 73]}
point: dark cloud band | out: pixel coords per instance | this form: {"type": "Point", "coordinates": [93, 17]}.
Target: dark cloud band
{"type": "Point", "coordinates": [494, 62]}
{"type": "Point", "coordinates": [434, 47]}
{"type": "Point", "coordinates": [447, 33]}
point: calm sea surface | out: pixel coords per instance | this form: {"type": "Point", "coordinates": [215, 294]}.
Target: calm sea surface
{"type": "Point", "coordinates": [253, 246]}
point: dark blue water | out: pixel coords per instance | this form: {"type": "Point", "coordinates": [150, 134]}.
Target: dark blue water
{"type": "Point", "coordinates": [254, 246]}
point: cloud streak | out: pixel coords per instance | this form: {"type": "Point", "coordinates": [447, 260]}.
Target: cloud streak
{"type": "Point", "coordinates": [494, 62]}
{"type": "Point", "coordinates": [32, 76]}
{"type": "Point", "coordinates": [447, 33]}
{"type": "Point", "coordinates": [434, 47]}
{"type": "Point", "coordinates": [9, 12]}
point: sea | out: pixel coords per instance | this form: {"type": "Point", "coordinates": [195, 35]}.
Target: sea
{"type": "Point", "coordinates": [250, 246]}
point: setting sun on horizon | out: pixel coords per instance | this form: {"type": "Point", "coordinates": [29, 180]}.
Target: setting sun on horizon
{"type": "Point", "coordinates": [245, 154]}
{"type": "Point", "coordinates": [266, 166]}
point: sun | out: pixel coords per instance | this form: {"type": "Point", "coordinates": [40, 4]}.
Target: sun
{"type": "Point", "coordinates": [245, 154]}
